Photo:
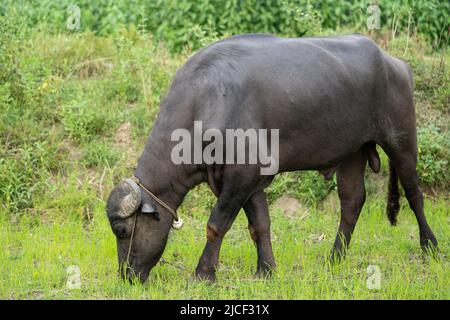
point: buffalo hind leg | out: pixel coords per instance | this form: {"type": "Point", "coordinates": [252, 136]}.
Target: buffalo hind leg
{"type": "Point", "coordinates": [405, 165]}
{"type": "Point", "coordinates": [350, 182]}
{"type": "Point", "coordinates": [257, 212]}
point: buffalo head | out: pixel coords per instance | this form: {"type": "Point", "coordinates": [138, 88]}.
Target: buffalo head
{"type": "Point", "coordinates": [140, 230]}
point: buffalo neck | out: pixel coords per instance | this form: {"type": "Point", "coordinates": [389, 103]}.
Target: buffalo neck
{"type": "Point", "coordinates": [155, 168]}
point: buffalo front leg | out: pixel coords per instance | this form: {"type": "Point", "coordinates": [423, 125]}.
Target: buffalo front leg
{"type": "Point", "coordinates": [257, 212]}
{"type": "Point", "coordinates": [231, 199]}
{"type": "Point", "coordinates": [220, 221]}
{"type": "Point", "coordinates": [350, 182]}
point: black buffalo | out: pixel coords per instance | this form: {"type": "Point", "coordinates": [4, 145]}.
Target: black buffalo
{"type": "Point", "coordinates": [333, 100]}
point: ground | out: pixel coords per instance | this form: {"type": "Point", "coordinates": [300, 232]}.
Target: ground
{"type": "Point", "coordinates": [38, 256]}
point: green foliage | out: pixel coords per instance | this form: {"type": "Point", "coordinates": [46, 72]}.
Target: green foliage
{"type": "Point", "coordinates": [83, 122]}
{"type": "Point", "coordinates": [196, 23]}
{"type": "Point", "coordinates": [70, 195]}
{"type": "Point", "coordinates": [12, 36]}
{"type": "Point", "coordinates": [181, 23]}
{"type": "Point", "coordinates": [27, 152]}
{"type": "Point", "coordinates": [434, 154]}
{"type": "Point", "coordinates": [65, 94]}
{"type": "Point", "coordinates": [431, 81]}
{"type": "Point", "coordinates": [23, 173]}
{"type": "Point", "coordinates": [428, 17]}
{"type": "Point", "coordinates": [99, 154]}
{"type": "Point", "coordinates": [308, 186]}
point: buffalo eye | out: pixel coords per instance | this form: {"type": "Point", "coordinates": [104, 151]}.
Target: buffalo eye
{"type": "Point", "coordinates": [121, 231]}
{"type": "Point", "coordinates": [154, 215]}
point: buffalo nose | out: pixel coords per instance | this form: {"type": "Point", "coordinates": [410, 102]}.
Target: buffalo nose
{"type": "Point", "coordinates": [130, 275]}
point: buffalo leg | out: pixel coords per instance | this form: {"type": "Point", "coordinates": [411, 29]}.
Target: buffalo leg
{"type": "Point", "coordinates": [230, 201]}
{"type": "Point", "coordinates": [257, 212]}
{"type": "Point", "coordinates": [350, 182]}
{"type": "Point", "coordinates": [405, 164]}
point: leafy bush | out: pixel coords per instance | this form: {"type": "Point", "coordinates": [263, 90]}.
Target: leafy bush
{"type": "Point", "coordinates": [83, 122]}
{"type": "Point", "coordinates": [12, 35]}
{"type": "Point", "coordinates": [27, 154]}
{"type": "Point", "coordinates": [181, 23]}
{"type": "Point", "coordinates": [23, 173]}
{"type": "Point", "coordinates": [434, 146]}
{"type": "Point", "coordinates": [431, 81]}
{"type": "Point", "coordinates": [308, 186]}
{"type": "Point", "coordinates": [99, 154]}
{"type": "Point", "coordinates": [427, 17]}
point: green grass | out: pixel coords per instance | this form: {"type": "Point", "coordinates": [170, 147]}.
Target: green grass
{"type": "Point", "coordinates": [36, 252]}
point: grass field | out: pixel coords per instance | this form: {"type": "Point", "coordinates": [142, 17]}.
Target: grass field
{"type": "Point", "coordinates": [75, 112]}
{"type": "Point", "coordinates": [36, 254]}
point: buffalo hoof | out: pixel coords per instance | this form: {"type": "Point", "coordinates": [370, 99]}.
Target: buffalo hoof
{"type": "Point", "coordinates": [265, 272]}
{"type": "Point", "coordinates": [430, 247]}
{"type": "Point", "coordinates": [263, 275]}
{"type": "Point", "coordinates": [336, 257]}
{"type": "Point", "coordinates": [209, 276]}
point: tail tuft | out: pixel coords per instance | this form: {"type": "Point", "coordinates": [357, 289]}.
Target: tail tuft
{"type": "Point", "coordinates": [393, 204]}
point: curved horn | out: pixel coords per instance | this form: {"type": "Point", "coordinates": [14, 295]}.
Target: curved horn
{"type": "Point", "coordinates": [130, 203]}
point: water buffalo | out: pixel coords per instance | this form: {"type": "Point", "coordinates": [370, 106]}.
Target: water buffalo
{"type": "Point", "coordinates": [333, 99]}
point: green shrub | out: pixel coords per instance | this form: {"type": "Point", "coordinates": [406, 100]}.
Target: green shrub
{"type": "Point", "coordinates": [73, 195]}
{"type": "Point", "coordinates": [99, 153]}
{"type": "Point", "coordinates": [83, 122]}
{"type": "Point", "coordinates": [181, 23]}
{"type": "Point", "coordinates": [432, 166]}
{"type": "Point", "coordinates": [427, 17]}
{"type": "Point", "coordinates": [431, 81]}
{"type": "Point", "coordinates": [12, 42]}
{"type": "Point", "coordinates": [23, 173]}
{"type": "Point", "coordinates": [308, 186]}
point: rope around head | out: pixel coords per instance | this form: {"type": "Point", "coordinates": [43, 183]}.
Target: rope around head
{"type": "Point", "coordinates": [177, 221]}
{"type": "Point", "coordinates": [131, 240]}
{"type": "Point", "coordinates": [176, 224]}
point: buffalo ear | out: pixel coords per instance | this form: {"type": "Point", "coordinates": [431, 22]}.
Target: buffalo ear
{"type": "Point", "coordinates": [147, 208]}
